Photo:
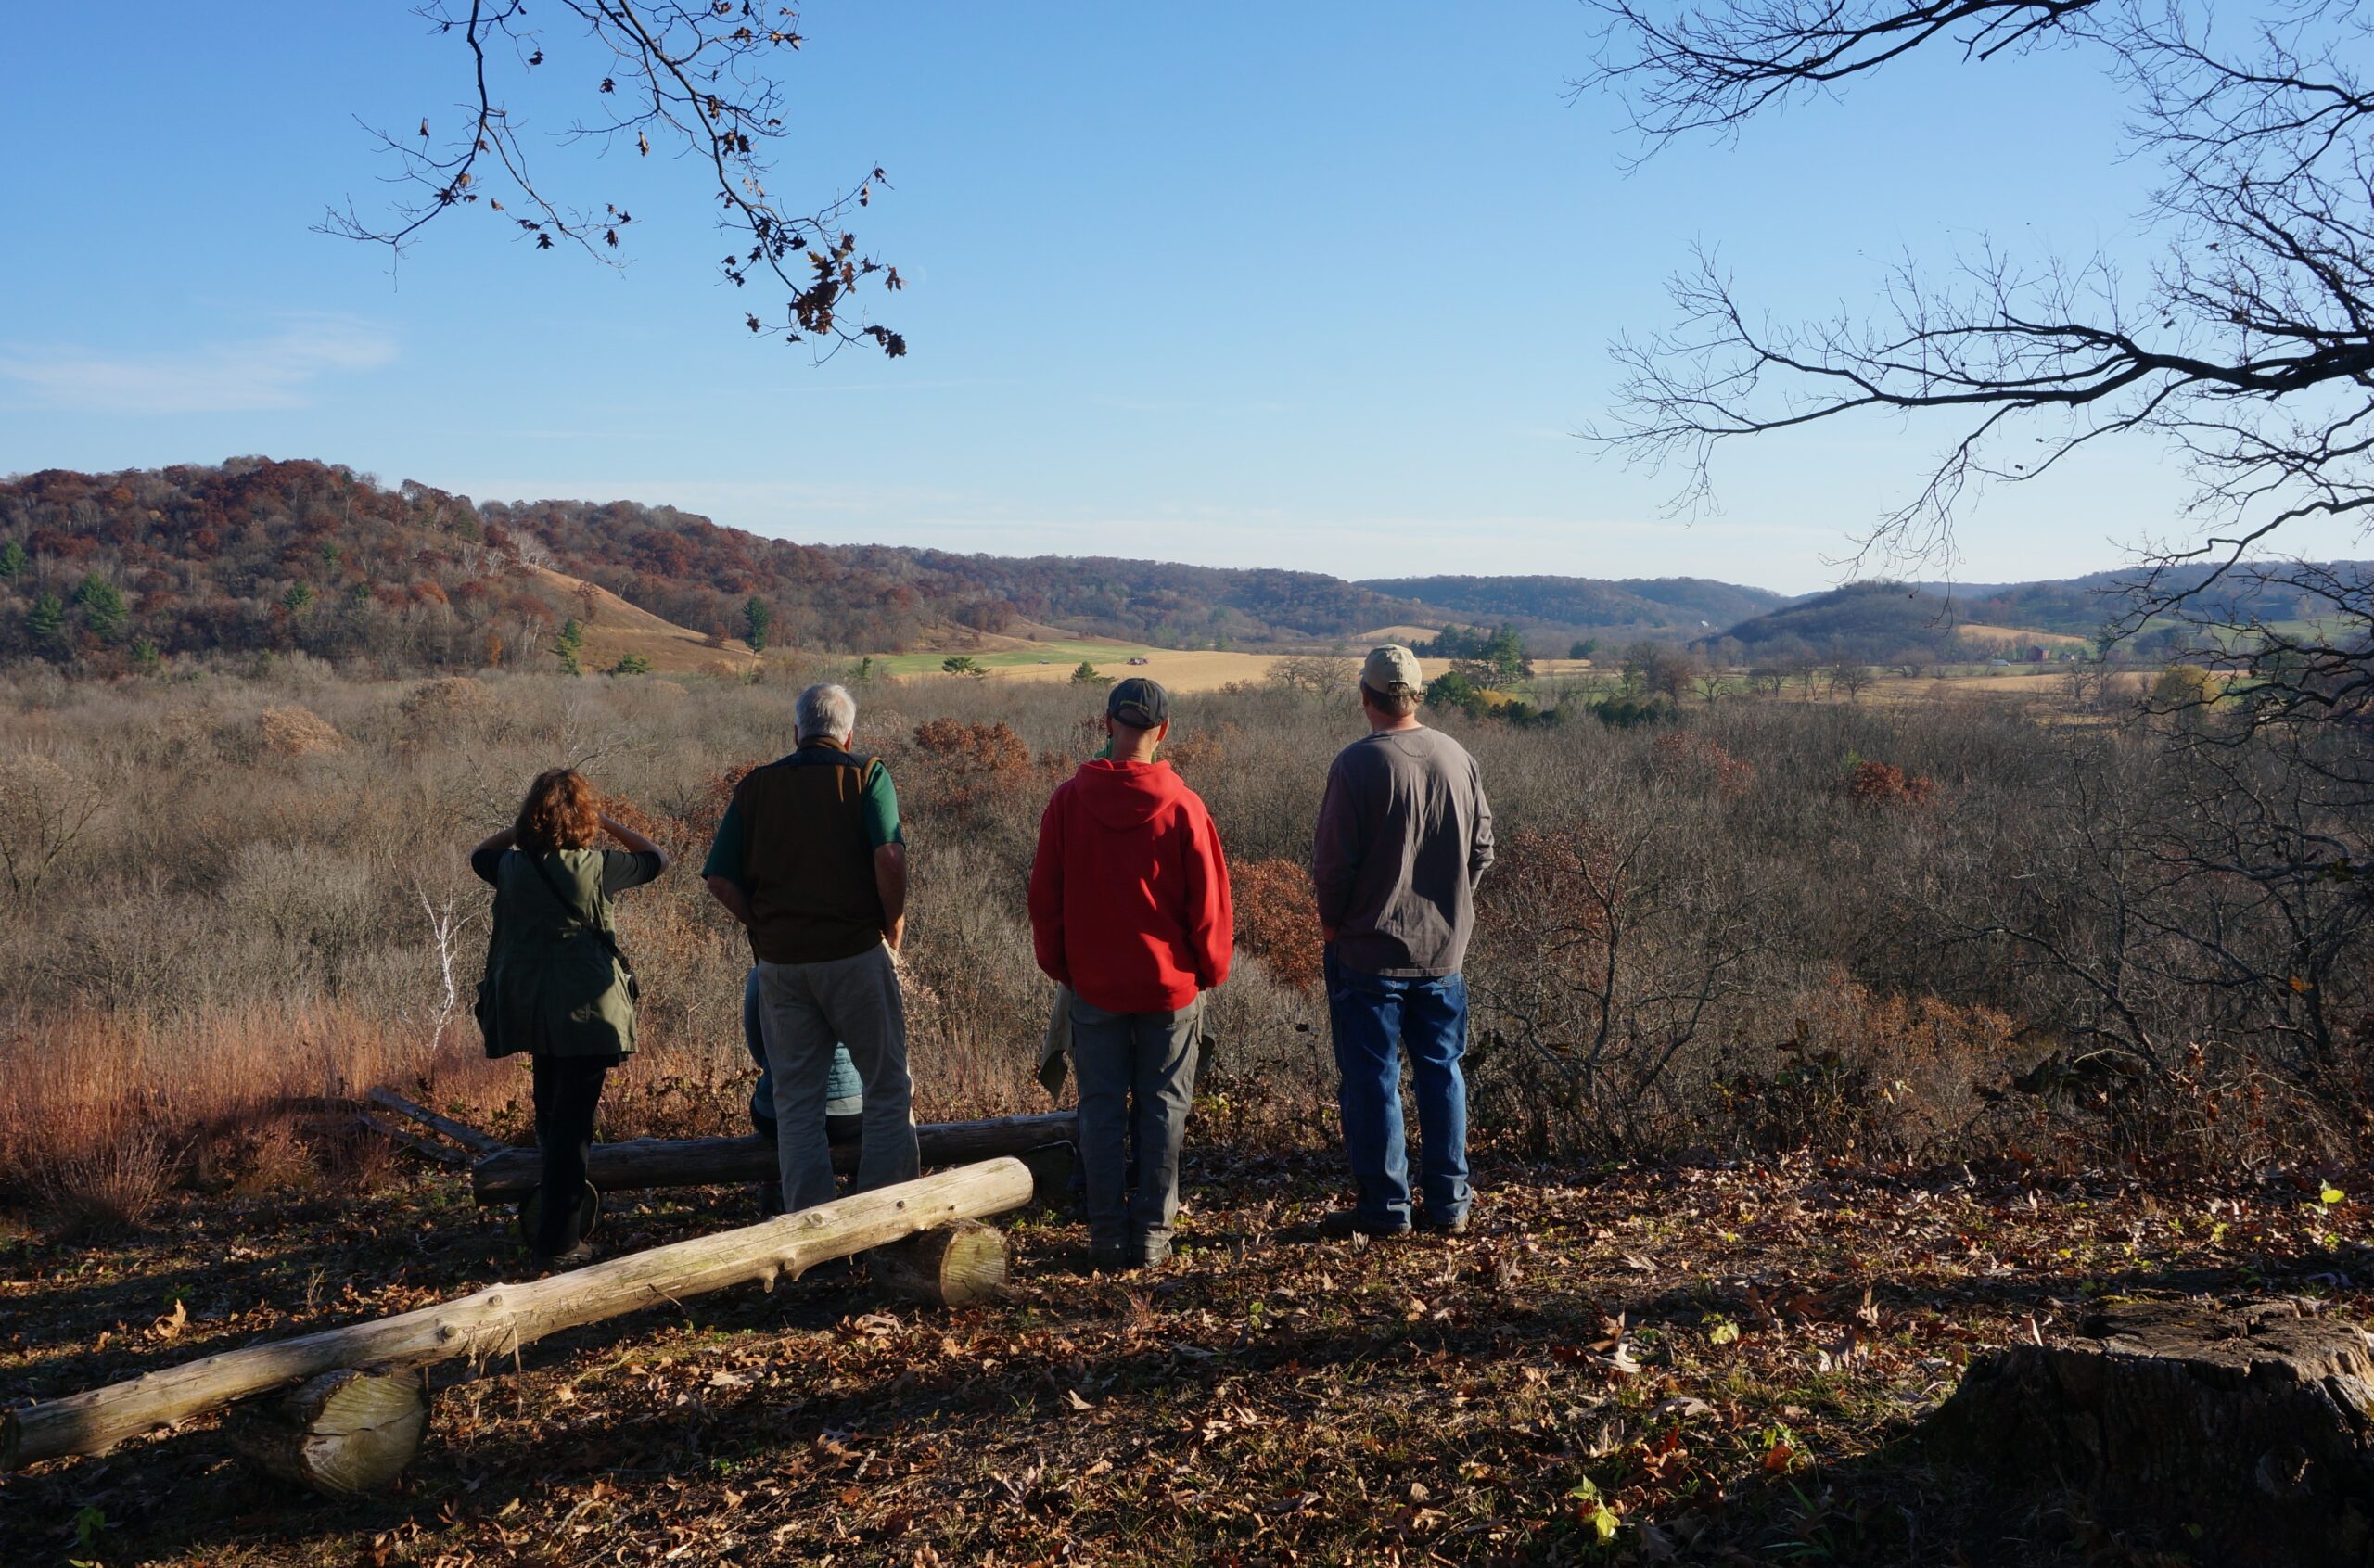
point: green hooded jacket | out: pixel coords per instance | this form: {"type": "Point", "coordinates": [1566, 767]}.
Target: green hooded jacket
{"type": "Point", "coordinates": [551, 985]}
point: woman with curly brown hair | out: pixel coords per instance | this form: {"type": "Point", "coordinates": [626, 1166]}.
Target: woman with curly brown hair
{"type": "Point", "coordinates": [558, 984]}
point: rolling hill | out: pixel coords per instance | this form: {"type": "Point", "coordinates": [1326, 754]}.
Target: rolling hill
{"type": "Point", "coordinates": [1685, 606]}
{"type": "Point", "coordinates": [101, 572]}
{"type": "Point", "coordinates": [255, 554]}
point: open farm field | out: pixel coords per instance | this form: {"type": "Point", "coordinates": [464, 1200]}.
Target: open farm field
{"type": "Point", "coordinates": [2020, 636]}
{"type": "Point", "coordinates": [1010, 653]}
{"type": "Point", "coordinates": [1178, 669]}
{"type": "Point", "coordinates": [2041, 685]}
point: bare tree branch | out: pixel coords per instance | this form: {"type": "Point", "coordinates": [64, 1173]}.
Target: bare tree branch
{"type": "Point", "coordinates": [697, 77]}
{"type": "Point", "coordinates": [2250, 350]}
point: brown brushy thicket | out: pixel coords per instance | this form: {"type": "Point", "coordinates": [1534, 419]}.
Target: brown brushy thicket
{"type": "Point", "coordinates": [296, 730]}
{"type": "Point", "coordinates": [1277, 919]}
{"type": "Point", "coordinates": [1702, 939]}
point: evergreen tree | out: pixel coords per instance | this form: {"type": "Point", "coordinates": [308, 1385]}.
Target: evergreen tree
{"type": "Point", "coordinates": [45, 622]}
{"type": "Point", "coordinates": [13, 558]}
{"type": "Point", "coordinates": [297, 598]}
{"type": "Point", "coordinates": [755, 619]}
{"type": "Point", "coordinates": [104, 610]}
{"type": "Point", "coordinates": [567, 643]}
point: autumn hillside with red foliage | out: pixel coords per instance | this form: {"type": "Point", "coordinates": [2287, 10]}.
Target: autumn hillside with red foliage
{"type": "Point", "coordinates": [105, 571]}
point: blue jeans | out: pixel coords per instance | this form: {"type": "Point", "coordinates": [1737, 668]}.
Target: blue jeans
{"type": "Point", "coordinates": [1373, 1016]}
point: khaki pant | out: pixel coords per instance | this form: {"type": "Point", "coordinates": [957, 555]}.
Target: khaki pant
{"type": "Point", "coordinates": [807, 1010]}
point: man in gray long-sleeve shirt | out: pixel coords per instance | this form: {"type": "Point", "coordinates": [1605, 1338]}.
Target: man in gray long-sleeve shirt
{"type": "Point", "coordinates": [1404, 833]}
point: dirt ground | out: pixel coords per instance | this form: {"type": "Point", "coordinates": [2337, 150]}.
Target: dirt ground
{"type": "Point", "coordinates": [1711, 1364]}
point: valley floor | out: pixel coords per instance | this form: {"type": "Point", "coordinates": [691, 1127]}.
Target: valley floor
{"type": "Point", "coordinates": [1686, 1364]}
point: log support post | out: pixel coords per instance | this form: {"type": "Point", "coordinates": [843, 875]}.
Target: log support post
{"type": "Point", "coordinates": [953, 1266]}
{"type": "Point", "coordinates": [342, 1434]}
{"type": "Point", "coordinates": [1051, 1174]}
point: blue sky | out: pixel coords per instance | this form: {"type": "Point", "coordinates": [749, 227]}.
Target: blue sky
{"type": "Point", "coordinates": [1324, 286]}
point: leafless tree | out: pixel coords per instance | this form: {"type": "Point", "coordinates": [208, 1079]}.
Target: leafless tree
{"type": "Point", "coordinates": [2251, 348]}
{"type": "Point", "coordinates": [1850, 676]}
{"type": "Point", "coordinates": [45, 811]}
{"type": "Point", "coordinates": [1639, 947]}
{"type": "Point", "coordinates": [2086, 682]}
{"type": "Point", "coordinates": [700, 79]}
{"type": "Point", "coordinates": [1320, 674]}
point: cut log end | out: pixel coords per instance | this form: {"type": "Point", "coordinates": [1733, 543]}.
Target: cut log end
{"type": "Point", "coordinates": [341, 1434]}
{"type": "Point", "coordinates": [953, 1266]}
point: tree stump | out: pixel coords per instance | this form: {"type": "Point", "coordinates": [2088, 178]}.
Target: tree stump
{"type": "Point", "coordinates": [341, 1433]}
{"type": "Point", "coordinates": [950, 1267]}
{"type": "Point", "coordinates": [2242, 1432]}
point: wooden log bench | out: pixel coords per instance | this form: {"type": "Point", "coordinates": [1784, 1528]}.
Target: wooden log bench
{"type": "Point", "coordinates": [355, 1419]}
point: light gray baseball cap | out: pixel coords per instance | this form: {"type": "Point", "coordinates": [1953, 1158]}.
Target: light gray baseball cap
{"type": "Point", "coordinates": [1392, 665]}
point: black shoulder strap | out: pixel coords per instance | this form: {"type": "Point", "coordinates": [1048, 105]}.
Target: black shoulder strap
{"type": "Point", "coordinates": [827, 756]}
{"type": "Point", "coordinates": [544, 876]}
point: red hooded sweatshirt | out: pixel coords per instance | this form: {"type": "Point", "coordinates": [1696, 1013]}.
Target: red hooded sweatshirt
{"type": "Point", "coordinates": [1129, 895]}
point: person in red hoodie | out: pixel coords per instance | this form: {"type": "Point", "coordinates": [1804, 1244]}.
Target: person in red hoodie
{"type": "Point", "coordinates": [1129, 908]}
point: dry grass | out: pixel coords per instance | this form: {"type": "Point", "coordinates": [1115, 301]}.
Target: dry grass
{"type": "Point", "coordinates": [79, 1084]}
{"type": "Point", "coordinates": [239, 927]}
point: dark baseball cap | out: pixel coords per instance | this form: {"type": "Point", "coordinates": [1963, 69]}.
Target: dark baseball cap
{"type": "Point", "coordinates": [1138, 703]}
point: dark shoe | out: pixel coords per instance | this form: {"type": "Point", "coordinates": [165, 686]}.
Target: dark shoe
{"type": "Point", "coordinates": [1112, 1259]}
{"type": "Point", "coordinates": [1351, 1222]}
{"type": "Point", "coordinates": [577, 1256]}
{"type": "Point", "coordinates": [1454, 1226]}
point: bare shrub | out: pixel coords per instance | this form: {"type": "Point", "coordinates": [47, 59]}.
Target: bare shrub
{"type": "Point", "coordinates": [111, 1188]}
{"type": "Point", "coordinates": [1697, 763]}
{"type": "Point", "coordinates": [264, 1156]}
{"type": "Point", "coordinates": [1892, 1077]}
{"type": "Point", "coordinates": [434, 710]}
{"type": "Point", "coordinates": [1625, 953]}
{"type": "Point", "coordinates": [358, 1160]}
{"type": "Point", "coordinates": [293, 731]}
{"type": "Point", "coordinates": [45, 811]}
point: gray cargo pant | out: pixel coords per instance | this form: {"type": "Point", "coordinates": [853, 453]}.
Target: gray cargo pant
{"type": "Point", "coordinates": [1136, 1080]}
{"type": "Point", "coordinates": [807, 1008]}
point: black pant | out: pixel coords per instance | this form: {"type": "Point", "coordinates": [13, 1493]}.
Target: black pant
{"type": "Point", "coordinates": [567, 1092]}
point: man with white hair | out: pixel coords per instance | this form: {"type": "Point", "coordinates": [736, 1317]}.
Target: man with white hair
{"type": "Point", "coordinates": [810, 859]}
